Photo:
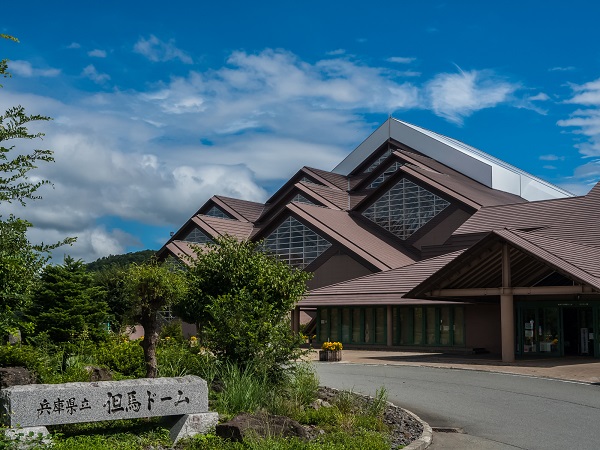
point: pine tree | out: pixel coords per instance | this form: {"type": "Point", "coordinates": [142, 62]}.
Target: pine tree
{"type": "Point", "coordinates": [68, 304]}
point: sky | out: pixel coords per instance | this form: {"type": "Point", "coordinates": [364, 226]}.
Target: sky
{"type": "Point", "coordinates": [157, 106]}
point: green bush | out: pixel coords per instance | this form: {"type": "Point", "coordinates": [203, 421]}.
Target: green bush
{"type": "Point", "coordinates": [122, 355]}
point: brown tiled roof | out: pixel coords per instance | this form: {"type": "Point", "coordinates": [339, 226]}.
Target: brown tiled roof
{"type": "Point", "coordinates": [180, 249]}
{"type": "Point", "coordinates": [334, 179]}
{"type": "Point", "coordinates": [215, 226]}
{"type": "Point", "coordinates": [337, 198]}
{"type": "Point", "coordinates": [385, 287]}
{"type": "Point", "coordinates": [573, 219]}
{"type": "Point", "coordinates": [354, 235]}
{"type": "Point", "coordinates": [250, 211]}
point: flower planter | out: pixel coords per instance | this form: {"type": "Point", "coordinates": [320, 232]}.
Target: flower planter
{"type": "Point", "coordinates": [330, 355]}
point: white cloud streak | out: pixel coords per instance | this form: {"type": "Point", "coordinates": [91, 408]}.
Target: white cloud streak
{"type": "Point", "coordinates": [159, 51]}
{"type": "Point", "coordinates": [25, 69]}
{"type": "Point", "coordinates": [155, 156]}
{"type": "Point", "coordinates": [92, 73]}
{"type": "Point", "coordinates": [455, 96]}
{"type": "Point", "coordinates": [97, 53]}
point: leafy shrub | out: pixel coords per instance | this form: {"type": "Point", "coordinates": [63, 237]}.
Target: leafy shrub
{"type": "Point", "coordinates": [122, 355]}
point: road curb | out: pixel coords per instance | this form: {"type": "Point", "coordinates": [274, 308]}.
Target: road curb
{"type": "Point", "coordinates": [426, 437]}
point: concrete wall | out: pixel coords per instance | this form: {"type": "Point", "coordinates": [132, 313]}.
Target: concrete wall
{"type": "Point", "coordinates": [337, 268]}
{"type": "Point", "coordinates": [483, 327]}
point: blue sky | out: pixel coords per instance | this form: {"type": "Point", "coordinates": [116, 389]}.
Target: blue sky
{"type": "Point", "coordinates": [157, 106]}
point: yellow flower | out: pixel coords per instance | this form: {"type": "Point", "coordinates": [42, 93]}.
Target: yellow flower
{"type": "Point", "coordinates": [331, 346]}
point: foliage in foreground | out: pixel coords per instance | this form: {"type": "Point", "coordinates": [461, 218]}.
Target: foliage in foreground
{"type": "Point", "coordinates": [20, 260]}
{"type": "Point", "coordinates": [240, 297]}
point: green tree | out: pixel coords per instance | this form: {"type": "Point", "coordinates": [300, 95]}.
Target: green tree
{"type": "Point", "coordinates": [67, 304]}
{"type": "Point", "coordinates": [113, 279]}
{"type": "Point", "coordinates": [20, 260]}
{"type": "Point", "coordinates": [153, 287]}
{"type": "Point", "coordinates": [241, 297]}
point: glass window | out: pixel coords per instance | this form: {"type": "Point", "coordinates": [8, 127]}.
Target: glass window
{"type": "Point", "coordinates": [405, 208]}
{"type": "Point", "coordinates": [431, 325]}
{"type": "Point", "coordinates": [368, 325]}
{"type": "Point", "coordinates": [385, 175]}
{"type": "Point", "coordinates": [324, 324]}
{"type": "Point", "coordinates": [395, 325]}
{"type": "Point", "coordinates": [418, 326]}
{"type": "Point", "coordinates": [459, 325]}
{"type": "Point", "coordinates": [529, 331]}
{"type": "Point", "coordinates": [379, 160]}
{"type": "Point", "coordinates": [308, 180]}
{"type": "Point", "coordinates": [301, 199]}
{"type": "Point", "coordinates": [295, 243]}
{"type": "Point", "coordinates": [548, 335]}
{"type": "Point", "coordinates": [356, 325]}
{"type": "Point", "coordinates": [217, 212]}
{"type": "Point", "coordinates": [345, 325]}
{"type": "Point", "coordinates": [405, 326]}
{"type": "Point", "coordinates": [334, 324]}
{"type": "Point", "coordinates": [380, 319]}
{"type": "Point", "coordinates": [197, 237]}
{"type": "Point", "coordinates": [445, 325]}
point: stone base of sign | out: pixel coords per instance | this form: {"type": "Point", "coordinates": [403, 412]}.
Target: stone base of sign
{"type": "Point", "coordinates": [191, 424]}
{"type": "Point", "coordinates": [28, 437]}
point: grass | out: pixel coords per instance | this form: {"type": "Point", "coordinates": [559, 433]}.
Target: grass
{"type": "Point", "coordinates": [349, 423]}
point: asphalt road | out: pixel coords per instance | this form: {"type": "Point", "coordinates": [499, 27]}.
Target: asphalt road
{"type": "Point", "coordinates": [497, 410]}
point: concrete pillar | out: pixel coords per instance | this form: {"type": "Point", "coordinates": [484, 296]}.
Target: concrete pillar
{"type": "Point", "coordinates": [507, 320]}
{"type": "Point", "coordinates": [507, 310]}
{"type": "Point", "coordinates": [390, 326]}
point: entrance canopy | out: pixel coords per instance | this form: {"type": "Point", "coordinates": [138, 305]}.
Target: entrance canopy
{"type": "Point", "coordinates": [515, 262]}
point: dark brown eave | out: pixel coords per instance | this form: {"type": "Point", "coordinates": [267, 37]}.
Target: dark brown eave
{"type": "Point", "coordinates": [532, 257]}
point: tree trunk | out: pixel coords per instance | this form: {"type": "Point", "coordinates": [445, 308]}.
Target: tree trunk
{"type": "Point", "coordinates": [150, 323]}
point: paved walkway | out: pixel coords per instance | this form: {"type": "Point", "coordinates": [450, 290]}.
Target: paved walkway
{"type": "Point", "coordinates": [583, 369]}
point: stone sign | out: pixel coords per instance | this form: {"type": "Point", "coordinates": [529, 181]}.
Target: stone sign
{"type": "Point", "coordinates": [38, 405]}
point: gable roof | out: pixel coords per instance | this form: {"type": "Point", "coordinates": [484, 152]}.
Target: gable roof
{"type": "Point", "coordinates": [243, 209]}
{"type": "Point", "coordinates": [387, 287]}
{"type": "Point", "coordinates": [533, 257]}
{"type": "Point", "coordinates": [354, 234]}
{"type": "Point", "coordinates": [474, 163]}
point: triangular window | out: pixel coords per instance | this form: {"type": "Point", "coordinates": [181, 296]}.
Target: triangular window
{"type": "Point", "coordinates": [301, 199]}
{"type": "Point", "coordinates": [295, 243]}
{"type": "Point", "coordinates": [197, 237]}
{"type": "Point", "coordinates": [405, 208]}
{"type": "Point", "coordinates": [385, 175]}
{"type": "Point", "coordinates": [308, 180]}
{"type": "Point", "coordinates": [378, 161]}
{"type": "Point", "coordinates": [217, 212]}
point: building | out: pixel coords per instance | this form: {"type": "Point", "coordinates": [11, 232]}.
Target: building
{"type": "Point", "coordinates": [418, 240]}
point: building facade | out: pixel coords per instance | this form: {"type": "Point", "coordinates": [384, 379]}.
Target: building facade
{"type": "Point", "coordinates": [417, 240]}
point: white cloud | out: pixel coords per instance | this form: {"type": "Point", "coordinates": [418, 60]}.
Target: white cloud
{"type": "Point", "coordinates": [156, 50]}
{"type": "Point", "coordinates": [25, 69]}
{"type": "Point", "coordinates": [339, 51]}
{"type": "Point", "coordinates": [586, 94]}
{"type": "Point", "coordinates": [541, 97]}
{"type": "Point", "coordinates": [97, 53]}
{"type": "Point", "coordinates": [455, 96]}
{"type": "Point", "coordinates": [551, 157]}
{"type": "Point", "coordinates": [562, 69]}
{"type": "Point", "coordinates": [401, 59]}
{"type": "Point", "coordinates": [92, 73]}
{"type": "Point", "coordinates": [549, 167]}
{"type": "Point", "coordinates": [74, 45]}
{"type": "Point", "coordinates": [139, 155]}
